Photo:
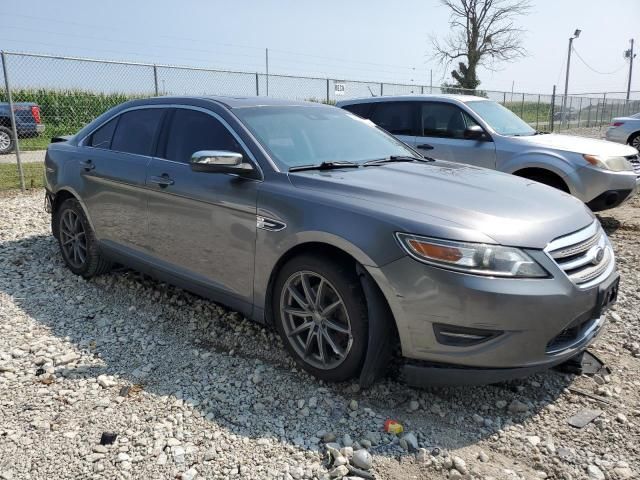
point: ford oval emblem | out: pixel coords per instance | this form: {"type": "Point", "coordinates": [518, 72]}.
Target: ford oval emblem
{"type": "Point", "coordinates": [599, 256]}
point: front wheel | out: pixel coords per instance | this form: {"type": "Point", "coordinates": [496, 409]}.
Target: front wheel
{"type": "Point", "coordinates": [321, 314]}
{"type": "Point", "coordinates": [77, 241]}
{"type": "Point", "coordinates": [6, 140]}
{"type": "Point", "coordinates": [634, 141]}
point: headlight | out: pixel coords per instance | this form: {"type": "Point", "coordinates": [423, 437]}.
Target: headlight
{"type": "Point", "coordinates": [475, 258]}
{"type": "Point", "coordinates": [616, 164]}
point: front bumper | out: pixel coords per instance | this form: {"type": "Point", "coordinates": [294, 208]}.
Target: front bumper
{"type": "Point", "coordinates": [530, 314]}
{"type": "Point", "coordinates": [604, 189]}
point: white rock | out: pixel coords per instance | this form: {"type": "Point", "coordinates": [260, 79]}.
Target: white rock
{"type": "Point", "coordinates": [68, 358]}
{"type": "Point", "coordinates": [189, 474]}
{"type": "Point", "coordinates": [362, 459]}
{"type": "Point", "coordinates": [460, 465]}
{"type": "Point", "coordinates": [533, 440]}
{"type": "Point", "coordinates": [595, 473]}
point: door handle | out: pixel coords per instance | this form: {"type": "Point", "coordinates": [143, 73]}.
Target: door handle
{"type": "Point", "coordinates": [87, 165]}
{"type": "Point", "coordinates": [425, 146]}
{"type": "Point", "coordinates": [163, 180]}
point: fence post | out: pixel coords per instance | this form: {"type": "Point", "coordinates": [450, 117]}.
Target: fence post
{"type": "Point", "coordinates": [13, 119]}
{"type": "Point", "coordinates": [155, 79]}
{"type": "Point", "coordinates": [522, 107]}
{"type": "Point", "coordinates": [568, 112]}
{"type": "Point", "coordinates": [579, 112]}
{"type": "Point", "coordinates": [422, 89]}
{"type": "Point", "coordinates": [538, 112]}
{"type": "Point", "coordinates": [381, 89]}
{"type": "Point", "coordinates": [257, 85]}
{"type": "Point", "coordinates": [604, 107]}
{"type": "Point", "coordinates": [553, 107]}
{"type": "Point", "coordinates": [328, 95]}
{"type": "Point", "coordinates": [504, 98]}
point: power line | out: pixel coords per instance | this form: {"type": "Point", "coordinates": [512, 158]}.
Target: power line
{"type": "Point", "coordinates": [593, 69]}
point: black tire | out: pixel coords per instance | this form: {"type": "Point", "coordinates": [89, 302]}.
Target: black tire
{"type": "Point", "coordinates": [341, 278]}
{"type": "Point", "coordinates": [7, 143]}
{"type": "Point", "coordinates": [92, 262]}
{"type": "Point", "coordinates": [634, 141]}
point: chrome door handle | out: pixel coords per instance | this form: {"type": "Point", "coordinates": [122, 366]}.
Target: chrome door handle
{"type": "Point", "coordinates": [87, 165]}
{"type": "Point", "coordinates": [162, 180]}
{"type": "Point", "coordinates": [425, 146]}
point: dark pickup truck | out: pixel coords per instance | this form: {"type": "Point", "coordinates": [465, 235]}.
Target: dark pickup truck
{"type": "Point", "coordinates": [28, 123]}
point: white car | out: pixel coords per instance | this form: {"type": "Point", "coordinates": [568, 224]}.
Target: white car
{"type": "Point", "coordinates": [625, 130]}
{"type": "Point", "coordinates": [480, 132]}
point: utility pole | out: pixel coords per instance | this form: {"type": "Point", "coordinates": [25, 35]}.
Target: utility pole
{"type": "Point", "coordinates": [576, 34]}
{"type": "Point", "coordinates": [266, 53]}
{"type": "Point", "coordinates": [630, 55]}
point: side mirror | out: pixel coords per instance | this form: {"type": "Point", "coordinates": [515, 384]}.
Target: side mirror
{"type": "Point", "coordinates": [219, 161]}
{"type": "Point", "coordinates": [475, 132]}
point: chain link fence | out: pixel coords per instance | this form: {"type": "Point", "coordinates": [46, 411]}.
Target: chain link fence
{"type": "Point", "coordinates": [53, 96]}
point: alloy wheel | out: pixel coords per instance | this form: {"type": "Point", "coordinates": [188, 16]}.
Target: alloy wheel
{"type": "Point", "coordinates": [315, 320]}
{"type": "Point", "coordinates": [73, 238]}
{"type": "Point", "coordinates": [635, 143]}
{"type": "Point", "coordinates": [5, 141]}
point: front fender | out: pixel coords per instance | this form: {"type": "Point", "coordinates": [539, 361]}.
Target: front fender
{"type": "Point", "coordinates": [553, 162]}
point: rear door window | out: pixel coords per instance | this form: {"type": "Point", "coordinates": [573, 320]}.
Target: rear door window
{"type": "Point", "coordinates": [102, 137]}
{"type": "Point", "coordinates": [397, 118]}
{"type": "Point", "coordinates": [137, 130]}
{"type": "Point", "coordinates": [191, 131]}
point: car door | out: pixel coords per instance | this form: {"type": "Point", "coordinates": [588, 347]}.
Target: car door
{"type": "Point", "coordinates": [202, 226]}
{"type": "Point", "coordinates": [399, 118]}
{"type": "Point", "coordinates": [441, 135]}
{"type": "Point", "coordinates": [112, 168]}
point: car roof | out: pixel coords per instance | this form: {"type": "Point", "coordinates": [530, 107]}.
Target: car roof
{"type": "Point", "coordinates": [229, 102]}
{"type": "Point", "coordinates": [412, 97]}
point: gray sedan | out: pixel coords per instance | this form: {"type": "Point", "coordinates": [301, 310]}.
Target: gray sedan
{"type": "Point", "coordinates": [625, 130]}
{"type": "Point", "coordinates": [351, 243]}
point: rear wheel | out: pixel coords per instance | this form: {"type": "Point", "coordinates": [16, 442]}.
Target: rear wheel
{"type": "Point", "coordinates": [321, 315]}
{"type": "Point", "coordinates": [77, 241]}
{"type": "Point", "coordinates": [6, 140]}
{"type": "Point", "coordinates": [634, 141]}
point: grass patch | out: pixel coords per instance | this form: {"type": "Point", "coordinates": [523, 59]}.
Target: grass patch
{"type": "Point", "coordinates": [33, 175]}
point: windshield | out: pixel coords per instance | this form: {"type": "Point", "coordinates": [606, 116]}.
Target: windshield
{"type": "Point", "coordinates": [501, 119]}
{"type": "Point", "coordinates": [637, 115]}
{"type": "Point", "coordinates": [301, 135]}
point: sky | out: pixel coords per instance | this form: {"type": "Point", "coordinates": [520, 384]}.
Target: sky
{"type": "Point", "coordinates": [358, 39]}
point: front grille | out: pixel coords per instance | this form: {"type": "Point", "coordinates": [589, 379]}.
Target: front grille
{"type": "Point", "coordinates": [635, 163]}
{"type": "Point", "coordinates": [585, 256]}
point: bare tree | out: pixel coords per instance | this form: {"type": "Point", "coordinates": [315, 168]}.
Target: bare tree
{"type": "Point", "coordinates": [483, 32]}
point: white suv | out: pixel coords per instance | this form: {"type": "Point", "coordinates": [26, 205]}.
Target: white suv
{"type": "Point", "coordinates": [480, 132]}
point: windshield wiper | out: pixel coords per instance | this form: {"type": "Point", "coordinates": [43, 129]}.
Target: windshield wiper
{"type": "Point", "coordinates": [324, 166]}
{"type": "Point", "coordinates": [397, 158]}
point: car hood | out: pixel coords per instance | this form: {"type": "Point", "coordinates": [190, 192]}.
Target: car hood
{"type": "Point", "coordinates": [581, 145]}
{"type": "Point", "coordinates": [507, 209]}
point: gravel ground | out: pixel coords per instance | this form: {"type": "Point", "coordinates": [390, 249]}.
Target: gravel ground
{"type": "Point", "coordinates": [194, 390]}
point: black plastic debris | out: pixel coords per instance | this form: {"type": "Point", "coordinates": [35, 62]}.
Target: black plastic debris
{"type": "Point", "coordinates": [435, 452]}
{"type": "Point", "coordinates": [40, 371]}
{"type": "Point", "coordinates": [108, 438]}
{"type": "Point", "coordinates": [124, 391]}
{"type": "Point", "coordinates": [585, 363]}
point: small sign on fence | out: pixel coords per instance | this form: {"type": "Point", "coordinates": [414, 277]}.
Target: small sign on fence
{"type": "Point", "coordinates": [339, 88]}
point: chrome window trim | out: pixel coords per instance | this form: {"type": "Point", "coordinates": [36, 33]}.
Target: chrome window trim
{"type": "Point", "coordinates": [168, 106]}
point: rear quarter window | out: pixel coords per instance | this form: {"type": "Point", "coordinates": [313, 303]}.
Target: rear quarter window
{"type": "Point", "coordinates": [102, 137]}
{"type": "Point", "coordinates": [360, 109]}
